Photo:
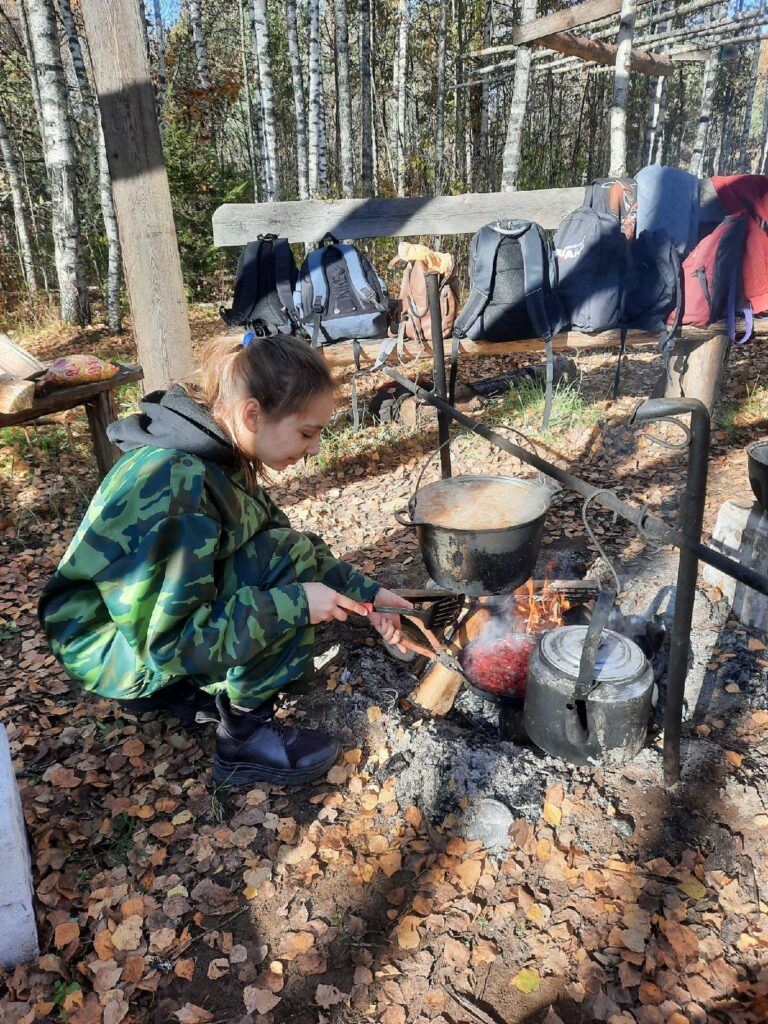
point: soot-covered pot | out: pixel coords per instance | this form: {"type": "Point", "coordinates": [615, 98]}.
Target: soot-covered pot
{"type": "Point", "coordinates": [597, 712]}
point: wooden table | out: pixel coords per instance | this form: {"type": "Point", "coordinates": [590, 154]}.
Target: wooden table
{"type": "Point", "coordinates": [99, 402]}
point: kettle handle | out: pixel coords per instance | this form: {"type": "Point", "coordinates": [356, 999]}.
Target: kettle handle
{"type": "Point", "coordinates": [586, 682]}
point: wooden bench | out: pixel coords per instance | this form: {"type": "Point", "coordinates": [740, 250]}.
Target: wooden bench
{"type": "Point", "coordinates": [99, 402]}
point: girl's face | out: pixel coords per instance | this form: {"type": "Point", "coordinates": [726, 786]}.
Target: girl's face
{"type": "Point", "coordinates": [281, 443]}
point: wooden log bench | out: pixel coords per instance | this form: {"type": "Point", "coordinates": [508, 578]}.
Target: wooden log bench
{"type": "Point", "coordinates": [99, 401]}
{"type": "Point", "coordinates": [308, 221]}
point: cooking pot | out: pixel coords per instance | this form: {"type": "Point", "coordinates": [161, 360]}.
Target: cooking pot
{"type": "Point", "coordinates": [757, 462]}
{"type": "Point", "coordinates": [479, 534]}
{"type": "Point", "coordinates": [588, 692]}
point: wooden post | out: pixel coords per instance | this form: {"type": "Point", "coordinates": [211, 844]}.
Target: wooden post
{"type": "Point", "coordinates": [696, 367]}
{"type": "Point", "coordinates": [140, 188]}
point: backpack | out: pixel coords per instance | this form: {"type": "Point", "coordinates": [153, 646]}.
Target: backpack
{"type": "Point", "coordinates": [264, 284]}
{"type": "Point", "coordinates": [591, 253]}
{"type": "Point", "coordinates": [513, 292]}
{"type": "Point", "coordinates": [339, 296]}
{"type": "Point", "coordinates": [712, 276]}
{"type": "Point", "coordinates": [616, 196]}
{"type": "Point", "coordinates": [413, 307]}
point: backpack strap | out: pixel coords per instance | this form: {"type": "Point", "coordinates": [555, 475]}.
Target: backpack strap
{"type": "Point", "coordinates": [283, 260]}
{"type": "Point", "coordinates": [360, 282]}
{"type": "Point", "coordinates": [532, 249]}
{"type": "Point", "coordinates": [669, 332]}
{"type": "Point", "coordinates": [387, 346]}
{"type": "Point", "coordinates": [486, 247]}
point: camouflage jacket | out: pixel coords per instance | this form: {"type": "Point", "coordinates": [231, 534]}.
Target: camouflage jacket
{"type": "Point", "coordinates": [134, 602]}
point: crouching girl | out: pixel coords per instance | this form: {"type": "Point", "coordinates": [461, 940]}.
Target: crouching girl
{"type": "Point", "coordinates": [185, 584]}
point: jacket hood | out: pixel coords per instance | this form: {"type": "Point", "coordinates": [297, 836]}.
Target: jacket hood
{"type": "Point", "coordinates": [172, 419]}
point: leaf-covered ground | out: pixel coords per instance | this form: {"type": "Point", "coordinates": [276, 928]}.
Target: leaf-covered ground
{"type": "Point", "coordinates": [164, 898]}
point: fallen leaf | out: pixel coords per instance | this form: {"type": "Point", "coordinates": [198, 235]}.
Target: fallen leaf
{"type": "Point", "coordinates": [407, 932]}
{"type": "Point", "coordinates": [390, 863]}
{"type": "Point", "coordinates": [468, 873]}
{"type": "Point", "coordinates": [116, 1009]}
{"type": "Point", "coordinates": [682, 940]}
{"type": "Point", "coordinates": [456, 953]}
{"type": "Point", "coordinates": [66, 933]}
{"type": "Point", "coordinates": [190, 1013]}
{"type": "Point", "coordinates": [185, 969]}
{"type": "Point", "coordinates": [734, 758]}
{"type": "Point", "coordinates": [692, 887]}
{"type": "Point", "coordinates": [161, 940]}
{"type": "Point", "coordinates": [552, 813]}
{"type": "Point", "coordinates": [127, 935]}
{"type": "Point", "coordinates": [527, 980]}
{"type": "Point", "coordinates": [328, 995]}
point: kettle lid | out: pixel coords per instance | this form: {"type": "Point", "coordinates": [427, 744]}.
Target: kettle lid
{"type": "Point", "coordinates": [618, 658]}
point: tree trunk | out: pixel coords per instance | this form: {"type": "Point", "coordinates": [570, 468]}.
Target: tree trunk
{"type": "Point", "coordinates": [105, 184]}
{"type": "Point", "coordinates": [19, 216]}
{"type": "Point", "coordinates": [252, 160]}
{"type": "Point", "coordinates": [761, 166]}
{"type": "Point", "coordinates": [366, 126]}
{"type": "Point", "coordinates": [709, 79]}
{"type": "Point", "coordinates": [517, 106]}
{"type": "Point", "coordinates": [298, 98]}
{"type": "Point", "coordinates": [482, 163]}
{"type": "Point", "coordinates": [440, 162]}
{"type": "Point", "coordinates": [402, 54]}
{"type": "Point", "coordinates": [24, 24]}
{"type": "Point", "coordinates": [618, 160]}
{"type": "Point", "coordinates": [144, 23]}
{"type": "Point", "coordinates": [744, 145]}
{"type": "Point", "coordinates": [59, 153]}
{"type": "Point", "coordinates": [460, 150]}
{"type": "Point", "coordinates": [200, 51]}
{"type": "Point", "coordinates": [344, 98]}
{"type": "Point", "coordinates": [160, 47]}
{"type": "Point", "coordinates": [316, 139]}
{"type": "Point", "coordinates": [261, 54]}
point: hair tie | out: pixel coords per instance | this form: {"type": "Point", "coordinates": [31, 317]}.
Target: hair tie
{"type": "Point", "coordinates": [248, 338]}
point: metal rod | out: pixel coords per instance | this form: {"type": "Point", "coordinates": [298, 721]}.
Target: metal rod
{"type": "Point", "coordinates": [692, 520]}
{"type": "Point", "coordinates": [652, 527]}
{"type": "Point", "coordinates": [438, 362]}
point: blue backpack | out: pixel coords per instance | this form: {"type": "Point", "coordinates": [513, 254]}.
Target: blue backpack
{"type": "Point", "coordinates": [339, 296]}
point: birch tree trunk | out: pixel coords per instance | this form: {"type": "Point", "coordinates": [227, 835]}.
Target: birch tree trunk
{"type": "Point", "coordinates": [19, 216]}
{"type": "Point", "coordinates": [298, 98]}
{"type": "Point", "coordinates": [517, 107]}
{"type": "Point", "coordinates": [261, 54]}
{"type": "Point", "coordinates": [744, 144]}
{"type": "Point", "coordinates": [59, 153]}
{"type": "Point", "coordinates": [201, 55]}
{"type": "Point", "coordinates": [344, 98]}
{"type": "Point", "coordinates": [482, 167]}
{"type": "Point", "coordinates": [144, 23]}
{"type": "Point", "coordinates": [709, 79]}
{"type": "Point", "coordinates": [761, 165]}
{"type": "Point", "coordinates": [366, 126]}
{"type": "Point", "coordinates": [25, 34]}
{"type": "Point", "coordinates": [252, 161]}
{"type": "Point", "coordinates": [160, 47]}
{"type": "Point", "coordinates": [105, 182]}
{"type": "Point", "coordinates": [460, 150]}
{"type": "Point", "coordinates": [316, 129]}
{"type": "Point", "coordinates": [440, 162]}
{"type": "Point", "coordinates": [402, 54]}
{"type": "Point", "coordinates": [618, 159]}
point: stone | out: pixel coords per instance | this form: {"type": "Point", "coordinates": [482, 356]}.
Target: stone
{"type": "Point", "coordinates": [18, 932]}
{"type": "Point", "coordinates": [741, 532]}
{"type": "Point", "coordinates": [489, 821]}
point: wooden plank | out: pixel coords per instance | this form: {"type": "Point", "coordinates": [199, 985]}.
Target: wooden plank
{"type": "Point", "coordinates": [309, 220]}
{"type": "Point", "coordinates": [69, 398]}
{"type": "Point", "coordinates": [140, 187]}
{"type": "Point", "coordinates": [15, 360]}
{"type": "Point", "coordinates": [101, 411]}
{"type": "Point", "coordinates": [343, 355]}
{"type": "Point", "coordinates": [605, 53]}
{"type": "Point", "coordinates": [572, 17]}
{"type": "Point", "coordinates": [692, 56]}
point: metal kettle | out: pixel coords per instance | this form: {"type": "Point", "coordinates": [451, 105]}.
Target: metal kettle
{"type": "Point", "coordinates": [588, 694]}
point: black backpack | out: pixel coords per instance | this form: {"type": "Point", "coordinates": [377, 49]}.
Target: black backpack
{"type": "Point", "coordinates": [513, 292]}
{"type": "Point", "coordinates": [591, 252]}
{"type": "Point", "coordinates": [264, 283]}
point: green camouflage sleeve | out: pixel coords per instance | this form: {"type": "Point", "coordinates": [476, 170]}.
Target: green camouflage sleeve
{"type": "Point", "coordinates": [164, 592]}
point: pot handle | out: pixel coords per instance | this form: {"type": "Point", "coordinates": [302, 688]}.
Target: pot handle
{"type": "Point", "coordinates": [412, 499]}
{"type": "Point", "coordinates": [400, 517]}
{"type": "Point", "coordinates": [586, 682]}
{"type": "Point", "coordinates": [540, 480]}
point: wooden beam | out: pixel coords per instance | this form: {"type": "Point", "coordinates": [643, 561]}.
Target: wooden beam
{"type": "Point", "coordinates": [694, 55]}
{"type": "Point", "coordinates": [140, 188]}
{"type": "Point", "coordinates": [311, 219]}
{"type": "Point", "coordinates": [605, 53]}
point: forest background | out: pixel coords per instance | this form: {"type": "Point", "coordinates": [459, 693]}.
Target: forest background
{"type": "Point", "coordinates": [285, 99]}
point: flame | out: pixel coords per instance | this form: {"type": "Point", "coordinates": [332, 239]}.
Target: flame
{"type": "Point", "coordinates": [539, 609]}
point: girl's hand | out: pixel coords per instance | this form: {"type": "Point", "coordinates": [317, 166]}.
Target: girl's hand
{"type": "Point", "coordinates": [325, 604]}
{"type": "Point", "coordinates": [388, 626]}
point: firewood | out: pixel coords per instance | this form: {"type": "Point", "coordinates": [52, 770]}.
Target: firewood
{"type": "Point", "coordinates": [16, 395]}
{"type": "Point", "coordinates": [439, 686]}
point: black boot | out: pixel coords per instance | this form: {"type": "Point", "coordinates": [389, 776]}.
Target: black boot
{"type": "Point", "coordinates": [251, 746]}
{"type": "Point", "coordinates": [183, 699]}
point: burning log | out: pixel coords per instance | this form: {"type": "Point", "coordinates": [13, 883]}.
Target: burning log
{"type": "Point", "coordinates": [440, 685]}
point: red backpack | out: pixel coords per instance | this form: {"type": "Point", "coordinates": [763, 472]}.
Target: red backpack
{"type": "Point", "coordinates": [712, 276]}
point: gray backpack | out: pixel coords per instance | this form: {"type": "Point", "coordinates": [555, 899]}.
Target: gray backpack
{"type": "Point", "coordinates": [513, 296]}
